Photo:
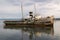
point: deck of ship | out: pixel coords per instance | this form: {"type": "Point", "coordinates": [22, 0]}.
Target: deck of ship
{"type": "Point", "coordinates": [22, 24]}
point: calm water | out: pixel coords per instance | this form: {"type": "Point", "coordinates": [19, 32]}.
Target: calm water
{"type": "Point", "coordinates": [13, 33]}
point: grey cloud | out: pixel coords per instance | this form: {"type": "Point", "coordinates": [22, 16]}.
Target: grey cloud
{"type": "Point", "coordinates": [13, 2]}
{"type": "Point", "coordinates": [56, 2]}
{"type": "Point", "coordinates": [44, 6]}
{"type": "Point", "coordinates": [28, 4]}
{"type": "Point", "coordinates": [18, 2]}
{"type": "Point", "coordinates": [42, 0]}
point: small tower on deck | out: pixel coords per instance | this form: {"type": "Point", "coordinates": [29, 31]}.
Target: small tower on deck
{"type": "Point", "coordinates": [31, 15]}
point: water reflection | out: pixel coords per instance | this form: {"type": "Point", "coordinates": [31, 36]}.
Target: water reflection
{"type": "Point", "coordinates": [34, 33]}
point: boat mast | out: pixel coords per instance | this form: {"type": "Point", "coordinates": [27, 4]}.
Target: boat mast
{"type": "Point", "coordinates": [35, 11]}
{"type": "Point", "coordinates": [35, 7]}
{"type": "Point", "coordinates": [22, 11]}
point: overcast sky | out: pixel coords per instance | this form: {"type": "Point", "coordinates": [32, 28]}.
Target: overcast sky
{"type": "Point", "coordinates": [12, 8]}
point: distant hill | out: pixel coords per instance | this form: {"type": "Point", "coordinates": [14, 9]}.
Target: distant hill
{"type": "Point", "coordinates": [57, 18]}
{"type": "Point", "coordinates": [20, 19]}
